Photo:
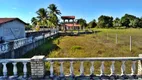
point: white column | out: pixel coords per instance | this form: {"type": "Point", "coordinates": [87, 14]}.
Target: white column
{"type": "Point", "coordinates": [25, 69]}
{"type": "Point", "coordinates": [71, 69]}
{"type": "Point", "coordinates": [123, 68]}
{"type": "Point", "coordinates": [102, 68]}
{"type": "Point", "coordinates": [81, 69]}
{"type": "Point", "coordinates": [61, 70]}
{"type": "Point", "coordinates": [14, 69]}
{"type": "Point", "coordinates": [51, 69]}
{"type": "Point", "coordinates": [92, 68]}
{"type": "Point", "coordinates": [112, 68]}
{"type": "Point", "coordinates": [4, 70]}
{"type": "Point", "coordinates": [133, 68]}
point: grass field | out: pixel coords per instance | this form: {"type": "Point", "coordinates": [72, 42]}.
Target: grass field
{"type": "Point", "coordinates": [101, 44]}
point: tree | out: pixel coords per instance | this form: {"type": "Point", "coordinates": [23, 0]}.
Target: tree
{"type": "Point", "coordinates": [53, 9]}
{"type": "Point", "coordinates": [28, 27]}
{"type": "Point", "coordinates": [47, 17]}
{"type": "Point", "coordinates": [82, 22]}
{"type": "Point", "coordinates": [42, 14]}
{"type": "Point", "coordinates": [134, 23]}
{"type": "Point", "coordinates": [140, 23]}
{"type": "Point", "coordinates": [92, 24]}
{"type": "Point", "coordinates": [125, 20]}
{"type": "Point", "coordinates": [34, 21]}
{"type": "Point", "coordinates": [53, 12]}
{"type": "Point", "coordinates": [117, 22]}
{"type": "Point", "coordinates": [105, 21]}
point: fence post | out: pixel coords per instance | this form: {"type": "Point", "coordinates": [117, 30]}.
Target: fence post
{"type": "Point", "coordinates": [37, 67]}
{"type": "Point", "coordinates": [130, 43]}
{"type": "Point", "coordinates": [107, 36]}
{"type": "Point", "coordinates": [140, 66]}
{"type": "Point", "coordinates": [116, 39]}
{"type": "Point", "coordinates": [11, 49]}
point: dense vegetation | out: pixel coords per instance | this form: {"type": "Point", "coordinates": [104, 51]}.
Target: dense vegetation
{"type": "Point", "coordinates": [46, 17]}
{"type": "Point", "coordinates": [126, 21]}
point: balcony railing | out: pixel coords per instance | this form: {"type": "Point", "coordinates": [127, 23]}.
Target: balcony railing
{"type": "Point", "coordinates": [71, 61]}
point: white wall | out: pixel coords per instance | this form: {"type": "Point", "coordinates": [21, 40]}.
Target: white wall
{"type": "Point", "coordinates": [12, 30]}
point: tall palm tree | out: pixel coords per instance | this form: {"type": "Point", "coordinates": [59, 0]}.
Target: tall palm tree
{"type": "Point", "coordinates": [53, 9]}
{"type": "Point", "coordinates": [42, 16]}
{"type": "Point", "coordinates": [53, 12]}
{"type": "Point", "coordinates": [42, 13]}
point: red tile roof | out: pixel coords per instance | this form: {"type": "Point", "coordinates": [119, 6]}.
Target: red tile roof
{"type": "Point", "coordinates": [5, 20]}
{"type": "Point", "coordinates": [68, 17]}
{"type": "Point", "coordinates": [71, 25]}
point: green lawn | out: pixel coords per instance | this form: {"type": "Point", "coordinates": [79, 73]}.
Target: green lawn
{"type": "Point", "coordinates": [98, 45]}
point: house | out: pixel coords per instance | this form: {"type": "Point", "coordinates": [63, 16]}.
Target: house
{"type": "Point", "coordinates": [69, 23]}
{"type": "Point", "coordinates": [11, 29]}
{"type": "Point", "coordinates": [71, 26]}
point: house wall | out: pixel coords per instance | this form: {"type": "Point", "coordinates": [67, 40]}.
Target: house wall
{"type": "Point", "coordinates": [12, 30]}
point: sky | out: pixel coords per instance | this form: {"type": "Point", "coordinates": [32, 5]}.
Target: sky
{"type": "Point", "coordinates": [87, 9]}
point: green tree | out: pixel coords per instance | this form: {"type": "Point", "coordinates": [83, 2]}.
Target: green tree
{"type": "Point", "coordinates": [82, 22]}
{"type": "Point", "coordinates": [140, 23]}
{"type": "Point", "coordinates": [127, 19]}
{"type": "Point", "coordinates": [42, 16]}
{"type": "Point", "coordinates": [92, 24]}
{"type": "Point", "coordinates": [53, 9]}
{"type": "Point", "coordinates": [28, 27]}
{"type": "Point", "coordinates": [117, 22]}
{"type": "Point", "coordinates": [53, 15]}
{"type": "Point", "coordinates": [34, 21]}
{"type": "Point", "coordinates": [105, 21]}
{"type": "Point", "coordinates": [134, 23]}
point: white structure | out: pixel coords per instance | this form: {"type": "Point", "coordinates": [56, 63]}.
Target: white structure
{"type": "Point", "coordinates": [11, 28]}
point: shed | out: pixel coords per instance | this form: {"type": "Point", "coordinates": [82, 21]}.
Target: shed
{"type": "Point", "coordinates": [11, 29]}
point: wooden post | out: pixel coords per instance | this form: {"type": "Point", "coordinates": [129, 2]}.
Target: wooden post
{"type": "Point", "coordinates": [130, 43]}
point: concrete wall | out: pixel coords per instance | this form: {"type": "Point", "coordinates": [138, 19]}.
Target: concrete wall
{"type": "Point", "coordinates": [12, 30]}
{"type": "Point", "coordinates": [24, 49]}
{"type": "Point", "coordinates": [37, 33]}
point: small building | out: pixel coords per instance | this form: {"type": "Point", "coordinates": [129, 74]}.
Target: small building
{"type": "Point", "coordinates": [11, 29]}
{"type": "Point", "coordinates": [69, 23]}
{"type": "Point", "coordinates": [71, 26]}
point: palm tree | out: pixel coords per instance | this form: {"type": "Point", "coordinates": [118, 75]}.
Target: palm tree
{"type": "Point", "coordinates": [42, 16]}
{"type": "Point", "coordinates": [34, 21]}
{"type": "Point", "coordinates": [53, 9]}
{"type": "Point", "coordinates": [42, 13]}
{"type": "Point", "coordinates": [53, 12]}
